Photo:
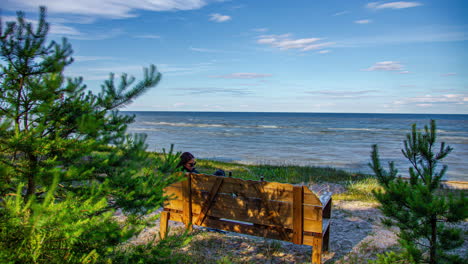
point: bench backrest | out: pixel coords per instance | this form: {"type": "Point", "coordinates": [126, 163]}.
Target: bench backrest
{"type": "Point", "coordinates": [267, 209]}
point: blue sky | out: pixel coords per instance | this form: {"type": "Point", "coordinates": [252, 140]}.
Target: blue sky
{"type": "Point", "coordinates": [270, 55]}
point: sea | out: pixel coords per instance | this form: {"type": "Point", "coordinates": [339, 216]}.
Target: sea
{"type": "Point", "coordinates": [338, 140]}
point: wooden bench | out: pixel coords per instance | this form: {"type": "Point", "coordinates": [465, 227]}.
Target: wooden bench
{"type": "Point", "coordinates": [259, 208]}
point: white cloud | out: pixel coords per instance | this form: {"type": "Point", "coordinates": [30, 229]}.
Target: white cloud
{"type": "Point", "coordinates": [392, 5]}
{"type": "Point", "coordinates": [424, 105]}
{"type": "Point", "coordinates": [363, 21]}
{"type": "Point", "coordinates": [435, 99]}
{"type": "Point", "coordinates": [242, 75]}
{"type": "Point", "coordinates": [317, 46]}
{"type": "Point", "coordinates": [324, 51]}
{"type": "Point", "coordinates": [404, 72]}
{"type": "Point", "coordinates": [385, 66]}
{"type": "Point", "coordinates": [342, 94]}
{"type": "Point", "coordinates": [260, 29]}
{"type": "Point", "coordinates": [219, 18]}
{"type": "Point", "coordinates": [284, 42]}
{"type": "Point", "coordinates": [105, 8]}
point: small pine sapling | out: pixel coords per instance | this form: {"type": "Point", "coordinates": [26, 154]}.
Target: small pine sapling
{"type": "Point", "coordinates": [422, 211]}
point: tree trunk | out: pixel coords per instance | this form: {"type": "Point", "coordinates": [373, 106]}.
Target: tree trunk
{"type": "Point", "coordinates": [32, 169]}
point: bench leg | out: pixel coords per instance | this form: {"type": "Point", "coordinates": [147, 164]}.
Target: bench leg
{"type": "Point", "coordinates": [163, 224]}
{"type": "Point", "coordinates": [317, 250]}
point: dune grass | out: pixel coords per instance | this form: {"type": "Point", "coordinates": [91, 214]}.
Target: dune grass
{"type": "Point", "coordinates": [358, 186]}
{"type": "Point", "coordinates": [280, 173]}
{"type": "Point", "coordinates": [359, 190]}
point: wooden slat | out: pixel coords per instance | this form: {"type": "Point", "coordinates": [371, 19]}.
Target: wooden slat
{"type": "Point", "coordinates": [298, 216]}
{"type": "Point", "coordinates": [255, 214]}
{"type": "Point", "coordinates": [272, 214]}
{"type": "Point", "coordinates": [311, 198]}
{"type": "Point", "coordinates": [207, 205]}
{"type": "Point", "coordinates": [317, 243]}
{"type": "Point", "coordinates": [312, 226]}
{"type": "Point", "coordinates": [187, 202]}
{"type": "Point", "coordinates": [308, 237]}
{"type": "Point", "coordinates": [242, 188]}
{"type": "Point", "coordinates": [163, 224]}
{"type": "Point", "coordinates": [254, 230]}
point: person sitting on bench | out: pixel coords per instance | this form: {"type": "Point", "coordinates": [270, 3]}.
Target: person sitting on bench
{"type": "Point", "coordinates": [187, 164]}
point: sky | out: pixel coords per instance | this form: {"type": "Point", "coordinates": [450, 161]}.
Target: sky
{"type": "Point", "coordinates": [341, 56]}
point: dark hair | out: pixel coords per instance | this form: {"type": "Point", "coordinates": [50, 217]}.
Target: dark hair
{"type": "Point", "coordinates": [184, 158]}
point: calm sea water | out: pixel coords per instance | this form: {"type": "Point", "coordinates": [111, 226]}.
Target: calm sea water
{"type": "Point", "coordinates": [314, 139]}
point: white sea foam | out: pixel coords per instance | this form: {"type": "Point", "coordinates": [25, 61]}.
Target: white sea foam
{"type": "Point", "coordinates": [143, 129]}
{"type": "Point", "coordinates": [458, 139]}
{"type": "Point", "coordinates": [182, 124]}
{"type": "Point", "coordinates": [359, 129]}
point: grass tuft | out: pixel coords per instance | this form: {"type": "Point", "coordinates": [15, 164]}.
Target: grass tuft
{"type": "Point", "coordinates": [360, 190]}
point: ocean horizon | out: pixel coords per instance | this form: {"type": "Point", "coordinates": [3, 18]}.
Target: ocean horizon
{"type": "Point", "coordinates": [338, 140]}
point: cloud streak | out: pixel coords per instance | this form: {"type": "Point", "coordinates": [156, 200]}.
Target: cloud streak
{"type": "Point", "coordinates": [213, 90]}
{"type": "Point", "coordinates": [285, 42]}
{"type": "Point", "coordinates": [385, 66]}
{"type": "Point", "coordinates": [105, 8]}
{"type": "Point", "coordinates": [363, 21]}
{"type": "Point", "coordinates": [428, 100]}
{"type": "Point", "coordinates": [342, 94]}
{"type": "Point", "coordinates": [219, 18]}
{"type": "Point", "coordinates": [392, 5]}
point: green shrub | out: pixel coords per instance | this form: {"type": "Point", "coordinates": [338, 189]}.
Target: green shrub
{"type": "Point", "coordinates": [393, 258]}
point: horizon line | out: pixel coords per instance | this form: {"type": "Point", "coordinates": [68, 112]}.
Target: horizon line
{"type": "Point", "coordinates": [274, 112]}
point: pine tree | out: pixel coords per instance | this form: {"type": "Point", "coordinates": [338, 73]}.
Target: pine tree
{"type": "Point", "coordinates": [66, 161]}
{"type": "Point", "coordinates": [422, 211]}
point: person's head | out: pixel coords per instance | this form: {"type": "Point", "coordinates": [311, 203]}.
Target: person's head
{"type": "Point", "coordinates": [187, 160]}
